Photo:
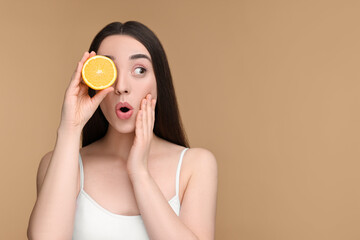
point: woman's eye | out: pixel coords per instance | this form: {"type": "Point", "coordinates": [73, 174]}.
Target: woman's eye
{"type": "Point", "coordinates": [140, 70]}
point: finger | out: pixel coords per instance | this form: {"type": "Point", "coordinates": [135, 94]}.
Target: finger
{"type": "Point", "coordinates": [153, 103]}
{"type": "Point", "coordinates": [83, 60]}
{"type": "Point", "coordinates": [139, 125]}
{"type": "Point", "coordinates": [100, 95]}
{"type": "Point", "coordinates": [144, 115]}
{"type": "Point", "coordinates": [149, 113]}
{"type": "Point", "coordinates": [83, 89]}
{"type": "Point", "coordinates": [77, 75]}
{"type": "Point", "coordinates": [92, 54]}
{"type": "Point", "coordinates": [85, 57]}
{"type": "Point", "coordinates": [76, 79]}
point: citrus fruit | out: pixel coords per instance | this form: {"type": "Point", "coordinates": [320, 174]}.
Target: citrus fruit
{"type": "Point", "coordinates": [99, 72]}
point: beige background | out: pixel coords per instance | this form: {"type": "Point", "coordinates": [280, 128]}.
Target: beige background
{"type": "Point", "coordinates": [270, 87]}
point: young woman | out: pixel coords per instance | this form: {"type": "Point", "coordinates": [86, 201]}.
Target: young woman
{"type": "Point", "coordinates": [135, 176]}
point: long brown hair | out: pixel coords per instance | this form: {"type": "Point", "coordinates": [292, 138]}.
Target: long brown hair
{"type": "Point", "coordinates": [167, 117]}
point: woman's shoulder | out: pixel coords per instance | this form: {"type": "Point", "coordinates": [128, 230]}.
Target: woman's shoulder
{"type": "Point", "coordinates": [201, 154]}
{"type": "Point", "coordinates": [201, 159]}
{"type": "Point", "coordinates": [198, 153]}
{"type": "Point", "coordinates": [44, 162]}
{"type": "Point", "coordinates": [42, 169]}
{"type": "Point", "coordinates": [199, 179]}
{"type": "Point", "coordinates": [195, 158]}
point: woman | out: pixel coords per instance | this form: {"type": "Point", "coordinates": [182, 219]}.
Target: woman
{"type": "Point", "coordinates": [125, 181]}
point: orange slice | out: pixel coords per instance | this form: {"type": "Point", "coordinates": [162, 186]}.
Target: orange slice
{"type": "Point", "coordinates": [99, 72]}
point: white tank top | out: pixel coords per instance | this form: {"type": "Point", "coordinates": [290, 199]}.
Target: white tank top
{"type": "Point", "coordinates": [93, 222]}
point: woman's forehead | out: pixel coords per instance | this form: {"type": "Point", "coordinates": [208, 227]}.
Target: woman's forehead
{"type": "Point", "coordinates": [120, 46]}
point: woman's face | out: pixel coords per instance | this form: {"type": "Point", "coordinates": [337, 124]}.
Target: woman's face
{"type": "Point", "coordinates": [135, 79]}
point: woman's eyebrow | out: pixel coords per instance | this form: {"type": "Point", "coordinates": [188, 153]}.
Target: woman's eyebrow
{"type": "Point", "coordinates": [140, 55]}
{"type": "Point", "coordinates": [132, 57]}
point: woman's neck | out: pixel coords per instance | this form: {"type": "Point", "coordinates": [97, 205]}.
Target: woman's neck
{"type": "Point", "coordinates": [120, 144]}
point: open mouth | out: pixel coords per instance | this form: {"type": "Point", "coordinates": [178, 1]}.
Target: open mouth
{"type": "Point", "coordinates": [124, 109]}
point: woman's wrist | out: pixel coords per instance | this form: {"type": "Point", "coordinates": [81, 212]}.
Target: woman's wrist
{"type": "Point", "coordinates": [69, 130]}
{"type": "Point", "coordinates": [138, 175]}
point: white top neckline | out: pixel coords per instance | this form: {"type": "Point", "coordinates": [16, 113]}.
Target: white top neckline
{"type": "Point", "coordinates": [174, 201]}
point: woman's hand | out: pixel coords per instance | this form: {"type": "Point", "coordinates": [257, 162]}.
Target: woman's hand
{"type": "Point", "coordinates": [138, 156]}
{"type": "Point", "coordinates": [78, 106]}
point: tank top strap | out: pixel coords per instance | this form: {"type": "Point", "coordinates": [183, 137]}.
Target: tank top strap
{"type": "Point", "coordinates": [81, 173]}
{"type": "Point", "coordinates": [178, 171]}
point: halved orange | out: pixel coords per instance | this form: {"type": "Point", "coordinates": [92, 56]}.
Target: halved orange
{"type": "Point", "coordinates": [99, 72]}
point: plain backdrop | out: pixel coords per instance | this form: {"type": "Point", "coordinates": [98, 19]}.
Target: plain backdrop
{"type": "Point", "coordinates": [270, 87]}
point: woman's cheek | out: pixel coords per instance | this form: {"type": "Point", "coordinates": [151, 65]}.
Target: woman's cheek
{"type": "Point", "coordinates": [150, 88]}
{"type": "Point", "coordinates": [104, 106]}
{"type": "Point", "coordinates": [153, 90]}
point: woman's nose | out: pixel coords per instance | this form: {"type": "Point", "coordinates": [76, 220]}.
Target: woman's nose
{"type": "Point", "coordinates": [121, 85]}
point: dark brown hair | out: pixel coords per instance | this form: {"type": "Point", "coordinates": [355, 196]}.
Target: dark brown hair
{"type": "Point", "coordinates": [167, 117]}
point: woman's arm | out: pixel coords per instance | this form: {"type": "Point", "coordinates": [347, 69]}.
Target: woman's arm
{"type": "Point", "coordinates": [198, 208]}
{"type": "Point", "coordinates": [58, 174]}
{"type": "Point", "coordinates": [53, 213]}
{"type": "Point", "coordinates": [197, 215]}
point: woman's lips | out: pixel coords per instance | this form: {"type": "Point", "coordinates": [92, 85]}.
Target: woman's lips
{"type": "Point", "coordinates": [123, 115]}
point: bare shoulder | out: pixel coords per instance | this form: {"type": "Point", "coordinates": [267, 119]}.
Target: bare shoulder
{"type": "Point", "coordinates": [195, 157]}
{"type": "Point", "coordinates": [201, 160]}
{"type": "Point", "coordinates": [195, 161]}
{"type": "Point", "coordinates": [198, 207]}
{"type": "Point", "coordinates": [43, 166]}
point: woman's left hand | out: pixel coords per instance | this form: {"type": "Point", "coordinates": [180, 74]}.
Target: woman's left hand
{"type": "Point", "coordinates": [144, 125]}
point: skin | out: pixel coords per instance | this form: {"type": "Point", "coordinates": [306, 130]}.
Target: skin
{"type": "Point", "coordinates": [126, 166]}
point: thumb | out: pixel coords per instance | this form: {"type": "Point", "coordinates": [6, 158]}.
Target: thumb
{"type": "Point", "coordinates": [99, 96]}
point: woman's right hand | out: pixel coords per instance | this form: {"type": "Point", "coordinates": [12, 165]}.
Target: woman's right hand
{"type": "Point", "coordinates": [78, 106]}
